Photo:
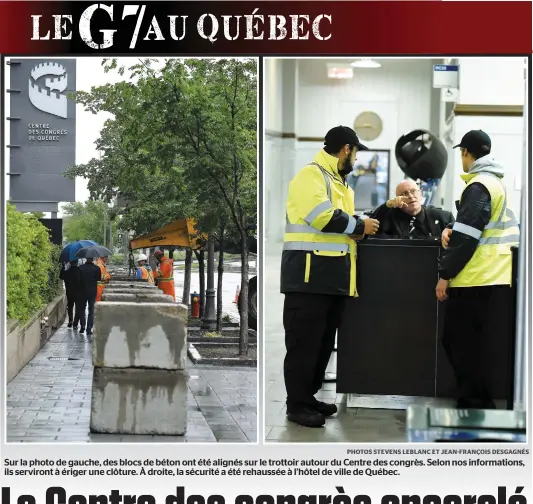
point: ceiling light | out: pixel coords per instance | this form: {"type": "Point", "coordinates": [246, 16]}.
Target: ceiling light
{"type": "Point", "coordinates": [366, 63]}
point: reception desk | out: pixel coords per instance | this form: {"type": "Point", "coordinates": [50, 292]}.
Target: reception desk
{"type": "Point", "coordinates": [389, 341]}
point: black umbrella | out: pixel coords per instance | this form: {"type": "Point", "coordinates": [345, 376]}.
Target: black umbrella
{"type": "Point", "coordinates": [92, 252]}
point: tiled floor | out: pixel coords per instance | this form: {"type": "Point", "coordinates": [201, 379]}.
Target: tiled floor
{"type": "Point", "coordinates": [50, 399]}
{"type": "Point", "coordinates": [349, 425]}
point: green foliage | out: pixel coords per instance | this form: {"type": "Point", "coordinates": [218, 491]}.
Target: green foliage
{"type": "Point", "coordinates": [116, 259]}
{"type": "Point", "coordinates": [30, 261]}
{"type": "Point", "coordinates": [55, 285]}
{"type": "Point", "coordinates": [182, 143]}
{"type": "Point", "coordinates": [85, 221]}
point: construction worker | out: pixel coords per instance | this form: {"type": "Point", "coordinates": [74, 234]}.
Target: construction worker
{"type": "Point", "coordinates": [476, 272]}
{"type": "Point", "coordinates": [165, 274]}
{"type": "Point", "coordinates": [144, 271]}
{"type": "Point", "coordinates": [318, 270]}
{"type": "Point", "coordinates": [101, 263]}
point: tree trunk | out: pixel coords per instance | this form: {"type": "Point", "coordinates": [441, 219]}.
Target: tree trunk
{"type": "Point", "coordinates": [243, 301]}
{"type": "Point", "coordinates": [219, 280]}
{"type": "Point", "coordinates": [187, 279]}
{"type": "Point", "coordinates": [201, 272]}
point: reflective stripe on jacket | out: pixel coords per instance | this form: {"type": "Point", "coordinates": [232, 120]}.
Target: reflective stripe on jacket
{"type": "Point", "coordinates": [143, 273]}
{"type": "Point", "coordinates": [491, 263]}
{"type": "Point", "coordinates": [314, 261]}
{"type": "Point", "coordinates": [165, 278]}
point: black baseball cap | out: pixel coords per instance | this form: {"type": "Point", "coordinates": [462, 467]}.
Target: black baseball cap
{"type": "Point", "coordinates": [475, 141]}
{"type": "Point", "coordinates": [342, 135]}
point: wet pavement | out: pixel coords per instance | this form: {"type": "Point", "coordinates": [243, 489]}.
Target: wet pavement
{"type": "Point", "coordinates": [50, 399]}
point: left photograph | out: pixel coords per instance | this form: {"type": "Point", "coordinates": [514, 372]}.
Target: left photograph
{"type": "Point", "coordinates": [131, 188]}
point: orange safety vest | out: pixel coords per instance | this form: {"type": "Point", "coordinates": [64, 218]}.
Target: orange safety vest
{"type": "Point", "coordinates": [104, 281]}
{"type": "Point", "coordinates": [165, 277]}
{"type": "Point", "coordinates": [146, 275]}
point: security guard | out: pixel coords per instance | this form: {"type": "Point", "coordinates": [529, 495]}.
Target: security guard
{"type": "Point", "coordinates": [476, 270]}
{"type": "Point", "coordinates": [318, 270]}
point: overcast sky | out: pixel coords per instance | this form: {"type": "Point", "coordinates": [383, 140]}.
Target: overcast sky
{"type": "Point", "coordinates": [89, 73]}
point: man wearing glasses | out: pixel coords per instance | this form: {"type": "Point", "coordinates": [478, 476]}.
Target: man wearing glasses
{"type": "Point", "coordinates": [405, 217]}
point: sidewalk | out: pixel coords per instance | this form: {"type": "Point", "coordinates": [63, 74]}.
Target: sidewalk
{"type": "Point", "coordinates": [50, 399]}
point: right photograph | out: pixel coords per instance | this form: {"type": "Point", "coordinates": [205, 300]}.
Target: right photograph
{"type": "Point", "coordinates": [396, 200]}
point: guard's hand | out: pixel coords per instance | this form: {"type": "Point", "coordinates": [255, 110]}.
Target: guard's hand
{"type": "Point", "coordinates": [371, 226]}
{"type": "Point", "coordinates": [398, 202]}
{"type": "Point", "coordinates": [445, 237]}
{"type": "Point", "coordinates": [441, 290]}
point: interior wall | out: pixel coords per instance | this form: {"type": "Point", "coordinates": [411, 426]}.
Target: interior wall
{"type": "Point", "coordinates": [273, 87]}
{"type": "Point", "coordinates": [489, 82]}
{"type": "Point", "coordinates": [400, 92]}
{"type": "Point", "coordinates": [303, 104]}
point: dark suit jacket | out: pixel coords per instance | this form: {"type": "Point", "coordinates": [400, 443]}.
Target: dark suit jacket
{"type": "Point", "coordinates": [394, 223]}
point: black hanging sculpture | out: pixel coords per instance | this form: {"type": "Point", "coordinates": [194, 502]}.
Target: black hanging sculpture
{"type": "Point", "coordinates": [421, 155]}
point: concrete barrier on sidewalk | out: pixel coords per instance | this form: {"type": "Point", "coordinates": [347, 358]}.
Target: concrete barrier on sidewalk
{"type": "Point", "coordinates": [138, 297]}
{"type": "Point", "coordinates": [140, 366]}
{"type": "Point", "coordinates": [139, 401]}
{"type": "Point", "coordinates": [140, 335]}
{"type": "Point", "coordinates": [132, 290]}
{"type": "Point", "coordinates": [131, 285]}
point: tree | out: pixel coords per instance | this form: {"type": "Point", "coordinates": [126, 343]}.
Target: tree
{"type": "Point", "coordinates": [217, 127]}
{"type": "Point", "coordinates": [182, 144]}
{"type": "Point", "coordinates": [85, 221]}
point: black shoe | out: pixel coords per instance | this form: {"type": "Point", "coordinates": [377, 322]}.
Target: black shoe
{"type": "Point", "coordinates": [69, 324]}
{"type": "Point", "coordinates": [306, 417]}
{"type": "Point", "coordinates": [325, 409]}
{"type": "Point", "coordinates": [82, 330]}
{"type": "Point", "coordinates": [89, 333]}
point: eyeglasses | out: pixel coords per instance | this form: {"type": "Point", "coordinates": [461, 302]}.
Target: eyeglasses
{"type": "Point", "coordinates": [410, 192]}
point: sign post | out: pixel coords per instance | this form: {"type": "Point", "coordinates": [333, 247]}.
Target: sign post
{"type": "Point", "coordinates": [43, 133]}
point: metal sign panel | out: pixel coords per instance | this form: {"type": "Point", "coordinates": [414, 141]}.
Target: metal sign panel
{"type": "Point", "coordinates": [445, 76]}
{"type": "Point", "coordinates": [43, 131]}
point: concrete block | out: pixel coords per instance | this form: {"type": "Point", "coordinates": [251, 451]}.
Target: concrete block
{"type": "Point", "coordinates": [134, 335]}
{"type": "Point", "coordinates": [132, 285]}
{"type": "Point", "coordinates": [139, 297]}
{"type": "Point", "coordinates": [139, 401]}
{"type": "Point", "coordinates": [132, 290]}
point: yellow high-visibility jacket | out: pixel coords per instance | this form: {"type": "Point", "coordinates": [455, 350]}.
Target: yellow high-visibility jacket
{"type": "Point", "coordinates": [491, 263]}
{"type": "Point", "coordinates": [319, 255]}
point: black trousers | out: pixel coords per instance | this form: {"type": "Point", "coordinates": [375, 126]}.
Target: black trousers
{"type": "Point", "coordinates": [475, 317]}
{"type": "Point", "coordinates": [71, 302]}
{"type": "Point", "coordinates": [79, 317]}
{"type": "Point", "coordinates": [89, 302]}
{"type": "Point", "coordinates": [310, 322]}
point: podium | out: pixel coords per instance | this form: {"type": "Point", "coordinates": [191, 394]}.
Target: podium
{"type": "Point", "coordinates": [389, 341]}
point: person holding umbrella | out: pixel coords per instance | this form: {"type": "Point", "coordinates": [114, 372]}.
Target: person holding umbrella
{"type": "Point", "coordinates": [71, 276]}
{"type": "Point", "coordinates": [91, 276]}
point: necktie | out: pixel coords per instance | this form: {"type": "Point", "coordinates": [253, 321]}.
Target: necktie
{"type": "Point", "coordinates": [412, 227]}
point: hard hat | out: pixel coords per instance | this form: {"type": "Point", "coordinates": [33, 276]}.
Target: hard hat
{"type": "Point", "coordinates": [142, 257]}
{"type": "Point", "coordinates": [159, 252]}
{"type": "Point", "coordinates": [421, 155]}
